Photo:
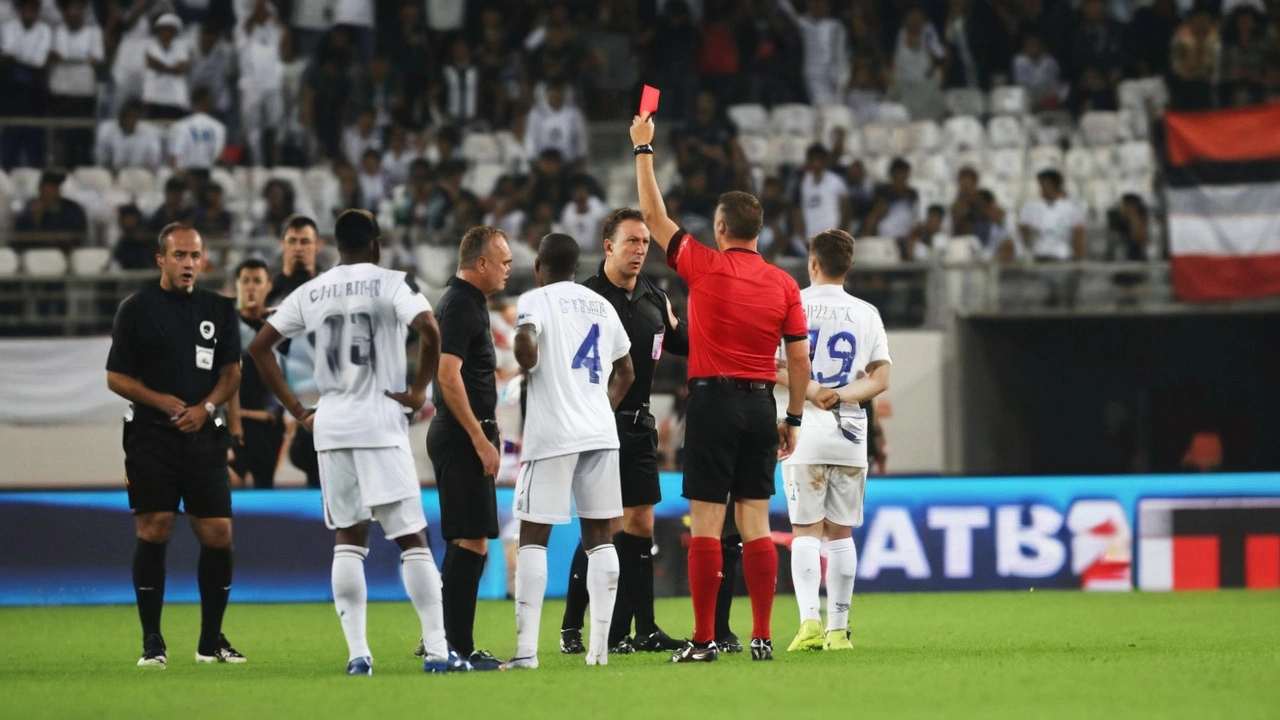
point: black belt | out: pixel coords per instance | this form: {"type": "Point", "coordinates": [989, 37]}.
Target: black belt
{"type": "Point", "coordinates": [637, 417]}
{"type": "Point", "coordinates": [729, 383]}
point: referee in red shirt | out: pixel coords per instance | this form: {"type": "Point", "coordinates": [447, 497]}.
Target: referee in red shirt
{"type": "Point", "coordinates": [740, 307]}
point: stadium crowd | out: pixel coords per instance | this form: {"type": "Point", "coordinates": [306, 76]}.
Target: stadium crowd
{"type": "Point", "coordinates": [441, 114]}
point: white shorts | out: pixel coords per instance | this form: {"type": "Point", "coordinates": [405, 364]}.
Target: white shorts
{"type": "Point", "coordinates": [824, 492]}
{"type": "Point", "coordinates": [590, 480]}
{"type": "Point", "coordinates": [363, 484]}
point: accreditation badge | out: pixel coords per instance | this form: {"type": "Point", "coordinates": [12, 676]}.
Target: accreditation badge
{"type": "Point", "coordinates": [657, 344]}
{"type": "Point", "coordinates": [204, 358]}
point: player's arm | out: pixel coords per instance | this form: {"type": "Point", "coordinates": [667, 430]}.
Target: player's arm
{"type": "Point", "coordinates": [676, 339]}
{"type": "Point", "coordinates": [662, 227]}
{"type": "Point", "coordinates": [261, 350]}
{"type": "Point", "coordinates": [867, 386]}
{"type": "Point", "coordinates": [814, 392]}
{"type": "Point", "coordinates": [623, 375]}
{"type": "Point", "coordinates": [428, 359]}
{"type": "Point", "coordinates": [235, 418]}
{"type": "Point", "coordinates": [797, 352]}
{"type": "Point", "coordinates": [455, 396]}
{"type": "Point", "coordinates": [131, 388]}
{"type": "Point", "coordinates": [526, 347]}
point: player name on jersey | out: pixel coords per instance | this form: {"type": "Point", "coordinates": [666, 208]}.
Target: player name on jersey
{"type": "Point", "coordinates": [370, 288]}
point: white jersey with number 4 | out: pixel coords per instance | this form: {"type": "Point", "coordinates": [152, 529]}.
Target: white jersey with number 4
{"type": "Point", "coordinates": [845, 335]}
{"type": "Point", "coordinates": [359, 314]}
{"type": "Point", "coordinates": [567, 400]}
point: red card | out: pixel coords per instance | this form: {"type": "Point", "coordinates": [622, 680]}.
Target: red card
{"type": "Point", "coordinates": [649, 100]}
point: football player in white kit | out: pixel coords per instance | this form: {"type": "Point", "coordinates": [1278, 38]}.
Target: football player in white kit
{"type": "Point", "coordinates": [358, 312]}
{"type": "Point", "coordinates": [826, 477]}
{"type": "Point", "coordinates": [565, 335]}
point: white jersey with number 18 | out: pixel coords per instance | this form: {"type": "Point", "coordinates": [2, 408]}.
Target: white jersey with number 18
{"type": "Point", "coordinates": [845, 335]}
{"type": "Point", "coordinates": [567, 400]}
{"type": "Point", "coordinates": [359, 314]}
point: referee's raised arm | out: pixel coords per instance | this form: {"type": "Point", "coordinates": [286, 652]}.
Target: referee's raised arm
{"type": "Point", "coordinates": [662, 227]}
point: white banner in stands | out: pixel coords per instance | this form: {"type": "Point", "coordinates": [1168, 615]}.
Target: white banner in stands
{"type": "Point", "coordinates": [58, 380]}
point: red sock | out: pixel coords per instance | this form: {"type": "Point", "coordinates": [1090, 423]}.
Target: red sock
{"type": "Point", "coordinates": [760, 570]}
{"type": "Point", "coordinates": [704, 585]}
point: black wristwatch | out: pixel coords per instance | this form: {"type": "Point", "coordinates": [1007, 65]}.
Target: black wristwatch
{"type": "Point", "coordinates": [645, 149]}
{"type": "Point", "coordinates": [793, 420]}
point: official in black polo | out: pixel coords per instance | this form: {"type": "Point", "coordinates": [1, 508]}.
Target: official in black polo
{"type": "Point", "coordinates": [463, 437]}
{"type": "Point", "coordinates": [653, 329]}
{"type": "Point", "coordinates": [175, 355]}
{"type": "Point", "coordinates": [299, 250]}
{"type": "Point", "coordinates": [255, 416]}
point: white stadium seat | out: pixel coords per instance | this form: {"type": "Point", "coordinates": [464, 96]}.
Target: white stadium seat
{"type": "Point", "coordinates": [1006, 131]}
{"type": "Point", "coordinates": [1141, 184]}
{"type": "Point", "coordinates": [831, 117]}
{"type": "Point", "coordinates": [291, 175]}
{"type": "Point", "coordinates": [972, 159]}
{"type": "Point", "coordinates": [964, 133]}
{"type": "Point", "coordinates": [89, 261]}
{"type": "Point", "coordinates": [755, 148]}
{"type": "Point", "coordinates": [481, 148]}
{"type": "Point", "coordinates": [962, 248]}
{"type": "Point", "coordinates": [926, 136]}
{"type": "Point", "coordinates": [436, 263]}
{"type": "Point", "coordinates": [44, 262]}
{"type": "Point", "coordinates": [149, 202]}
{"type": "Point", "coordinates": [750, 118]}
{"type": "Point", "coordinates": [901, 140]}
{"type": "Point", "coordinates": [1079, 163]}
{"type": "Point", "coordinates": [788, 150]}
{"type": "Point", "coordinates": [1101, 194]}
{"type": "Point", "coordinates": [26, 182]}
{"type": "Point", "coordinates": [1044, 157]}
{"type": "Point", "coordinates": [876, 251]}
{"type": "Point", "coordinates": [1009, 100]}
{"type": "Point", "coordinates": [96, 178]}
{"type": "Point", "coordinates": [139, 180]}
{"type": "Point", "coordinates": [877, 138]}
{"type": "Point", "coordinates": [793, 119]}
{"type": "Point", "coordinates": [1100, 127]}
{"type": "Point", "coordinates": [1104, 158]}
{"type": "Point", "coordinates": [895, 113]}
{"type": "Point", "coordinates": [8, 262]}
{"type": "Point", "coordinates": [1136, 157]}
{"type": "Point", "coordinates": [878, 167]}
{"type": "Point", "coordinates": [934, 166]}
{"type": "Point", "coordinates": [482, 177]}
{"type": "Point", "coordinates": [966, 101]}
{"type": "Point", "coordinates": [1006, 163]}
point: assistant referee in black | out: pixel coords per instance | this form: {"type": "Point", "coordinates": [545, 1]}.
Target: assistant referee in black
{"type": "Point", "coordinates": [175, 355]}
{"type": "Point", "coordinates": [653, 329]}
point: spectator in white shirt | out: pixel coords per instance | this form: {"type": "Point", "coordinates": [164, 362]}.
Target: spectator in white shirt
{"type": "Point", "coordinates": [197, 140]}
{"type": "Point", "coordinates": [164, 87]}
{"type": "Point", "coordinates": [73, 83]}
{"type": "Point", "coordinates": [825, 60]}
{"type": "Point", "coordinates": [583, 217]}
{"type": "Point", "coordinates": [1035, 70]}
{"type": "Point", "coordinates": [824, 196]}
{"type": "Point", "coordinates": [128, 141]}
{"type": "Point", "coordinates": [258, 39]}
{"type": "Point", "coordinates": [917, 66]}
{"type": "Point", "coordinates": [399, 156]}
{"type": "Point", "coordinates": [212, 63]}
{"type": "Point", "coordinates": [362, 135]}
{"type": "Point", "coordinates": [373, 182]}
{"type": "Point", "coordinates": [556, 124]}
{"type": "Point", "coordinates": [25, 42]}
{"type": "Point", "coordinates": [358, 16]}
{"type": "Point", "coordinates": [1052, 226]}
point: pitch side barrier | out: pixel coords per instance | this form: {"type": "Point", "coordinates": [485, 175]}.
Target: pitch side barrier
{"type": "Point", "coordinates": [1147, 532]}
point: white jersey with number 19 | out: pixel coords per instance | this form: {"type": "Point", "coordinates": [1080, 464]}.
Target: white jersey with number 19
{"type": "Point", "coordinates": [845, 335]}
{"type": "Point", "coordinates": [359, 314]}
{"type": "Point", "coordinates": [567, 400]}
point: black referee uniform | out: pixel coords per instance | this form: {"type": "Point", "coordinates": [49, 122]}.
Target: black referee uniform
{"type": "Point", "coordinates": [644, 314]}
{"type": "Point", "coordinates": [468, 501]}
{"type": "Point", "coordinates": [260, 454]}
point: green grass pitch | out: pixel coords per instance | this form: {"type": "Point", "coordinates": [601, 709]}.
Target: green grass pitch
{"type": "Point", "coordinates": [988, 655]}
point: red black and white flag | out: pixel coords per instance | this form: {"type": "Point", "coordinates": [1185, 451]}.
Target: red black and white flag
{"type": "Point", "coordinates": [1222, 172]}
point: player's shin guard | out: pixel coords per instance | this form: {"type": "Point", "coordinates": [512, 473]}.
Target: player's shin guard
{"type": "Point", "coordinates": [760, 570]}
{"type": "Point", "coordinates": [350, 597]}
{"type": "Point", "coordinates": [148, 584]}
{"type": "Point", "coordinates": [704, 584]}
{"type": "Point", "coordinates": [422, 583]}
{"type": "Point", "coordinates": [213, 575]}
{"type": "Point", "coordinates": [531, 588]}
{"type": "Point", "coordinates": [806, 574]}
{"type": "Point", "coordinates": [575, 599]}
{"type": "Point", "coordinates": [602, 588]}
{"type": "Point", "coordinates": [842, 567]}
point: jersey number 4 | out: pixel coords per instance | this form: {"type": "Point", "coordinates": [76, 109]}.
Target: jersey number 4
{"type": "Point", "coordinates": [360, 352]}
{"type": "Point", "coordinates": [588, 355]}
{"type": "Point", "coordinates": [836, 350]}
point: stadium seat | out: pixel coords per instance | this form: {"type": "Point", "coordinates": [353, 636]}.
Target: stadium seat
{"type": "Point", "coordinates": [894, 113]}
{"type": "Point", "coordinates": [966, 101]}
{"type": "Point", "coordinates": [1006, 131]}
{"type": "Point", "coordinates": [926, 136]}
{"type": "Point", "coordinates": [1100, 127]}
{"type": "Point", "coordinates": [1079, 163]}
{"type": "Point", "coordinates": [934, 166]}
{"type": "Point", "coordinates": [751, 118]}
{"type": "Point", "coordinates": [1009, 100]}
{"type": "Point", "coordinates": [1044, 157]}
{"type": "Point", "coordinates": [1132, 95]}
{"type": "Point", "coordinates": [1008, 194]}
{"type": "Point", "coordinates": [1140, 184]}
{"type": "Point", "coordinates": [26, 183]}
{"type": "Point", "coordinates": [963, 133]}
{"type": "Point", "coordinates": [971, 159]}
{"type": "Point", "coordinates": [878, 167]}
{"type": "Point", "coordinates": [225, 180]}
{"type": "Point", "coordinates": [89, 261]}
{"type": "Point", "coordinates": [831, 117]}
{"type": "Point", "coordinates": [793, 119]}
{"type": "Point", "coordinates": [1135, 157]}
{"type": "Point", "coordinates": [877, 252]}
{"type": "Point", "coordinates": [482, 177]}
{"type": "Point", "coordinates": [149, 202]}
{"type": "Point", "coordinates": [901, 140]}
{"type": "Point", "coordinates": [481, 148]}
{"type": "Point", "coordinates": [962, 248]}
{"type": "Point", "coordinates": [139, 180]}
{"type": "Point", "coordinates": [755, 148]}
{"type": "Point", "coordinates": [1030, 189]}
{"type": "Point", "coordinates": [1006, 163]}
{"type": "Point", "coordinates": [1101, 194]}
{"type": "Point", "coordinates": [97, 178]}
{"type": "Point", "coordinates": [620, 192]}
{"type": "Point", "coordinates": [436, 263]}
{"type": "Point", "coordinates": [291, 175]}
{"type": "Point", "coordinates": [44, 262]}
{"type": "Point", "coordinates": [8, 262]}
{"type": "Point", "coordinates": [877, 138]}
{"type": "Point", "coordinates": [787, 150]}
{"type": "Point", "coordinates": [1134, 125]}
{"type": "Point", "coordinates": [1104, 158]}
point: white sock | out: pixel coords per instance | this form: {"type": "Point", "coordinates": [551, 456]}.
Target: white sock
{"type": "Point", "coordinates": [602, 592]}
{"type": "Point", "coordinates": [842, 568]}
{"type": "Point", "coordinates": [350, 597]}
{"type": "Point", "coordinates": [531, 588]}
{"type": "Point", "coordinates": [806, 574]}
{"type": "Point", "coordinates": [421, 580]}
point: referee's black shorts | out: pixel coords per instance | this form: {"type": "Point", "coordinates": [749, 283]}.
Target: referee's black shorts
{"type": "Point", "coordinates": [638, 460]}
{"type": "Point", "coordinates": [165, 466]}
{"type": "Point", "coordinates": [730, 441]}
{"type": "Point", "coordinates": [468, 500]}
